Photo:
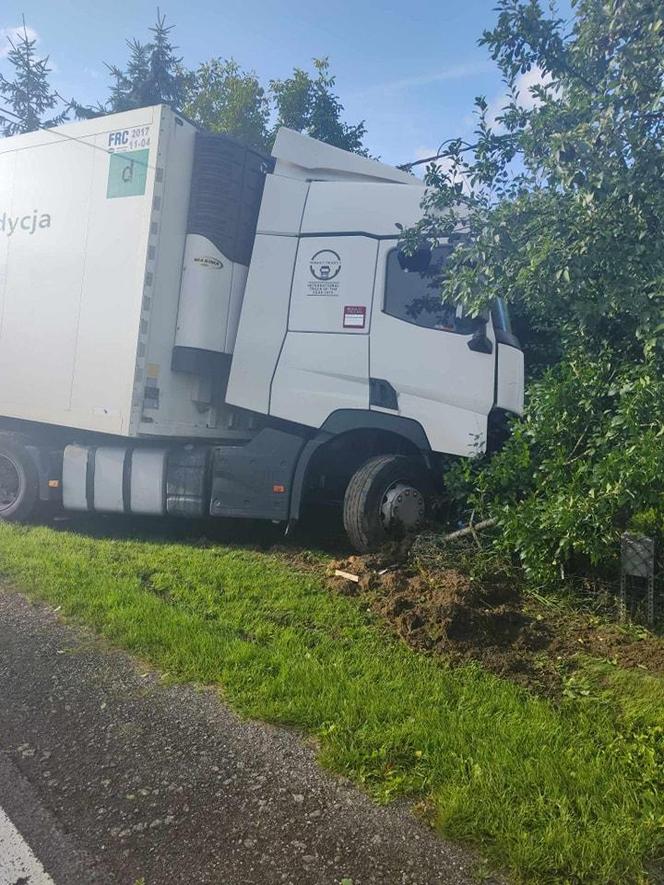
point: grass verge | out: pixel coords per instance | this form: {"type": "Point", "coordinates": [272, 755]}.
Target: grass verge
{"type": "Point", "coordinates": [569, 792]}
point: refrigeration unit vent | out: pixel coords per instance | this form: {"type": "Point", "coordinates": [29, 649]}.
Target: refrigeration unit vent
{"type": "Point", "coordinates": [226, 189]}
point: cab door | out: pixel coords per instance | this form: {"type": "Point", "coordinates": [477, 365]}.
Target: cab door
{"type": "Point", "coordinates": [324, 362]}
{"type": "Point", "coordinates": [421, 365]}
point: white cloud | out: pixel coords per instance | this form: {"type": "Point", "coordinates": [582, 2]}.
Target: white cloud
{"type": "Point", "coordinates": [14, 34]}
{"type": "Point", "coordinates": [534, 77]}
{"type": "Point", "coordinates": [526, 99]}
{"type": "Point", "coordinates": [454, 72]}
{"type": "Point", "coordinates": [422, 153]}
{"type": "Point", "coordinates": [524, 84]}
{"type": "Point", "coordinates": [443, 163]}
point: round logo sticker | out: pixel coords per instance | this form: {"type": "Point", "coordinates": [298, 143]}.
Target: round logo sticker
{"type": "Point", "coordinates": [325, 265]}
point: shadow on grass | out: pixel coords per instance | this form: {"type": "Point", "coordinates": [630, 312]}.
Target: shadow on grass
{"type": "Point", "coordinates": [320, 531]}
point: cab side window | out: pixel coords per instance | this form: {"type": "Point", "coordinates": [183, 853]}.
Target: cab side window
{"type": "Point", "coordinates": [414, 295]}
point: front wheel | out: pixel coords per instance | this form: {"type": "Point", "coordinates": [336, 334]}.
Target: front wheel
{"type": "Point", "coordinates": [386, 495]}
{"type": "Point", "coordinates": [19, 482]}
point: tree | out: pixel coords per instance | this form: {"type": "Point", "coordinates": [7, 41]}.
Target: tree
{"type": "Point", "coordinates": [153, 74]}
{"type": "Point", "coordinates": [221, 97]}
{"type": "Point", "coordinates": [563, 200]}
{"type": "Point", "coordinates": [28, 94]}
{"type": "Point", "coordinates": [308, 104]}
{"type": "Point", "coordinates": [574, 237]}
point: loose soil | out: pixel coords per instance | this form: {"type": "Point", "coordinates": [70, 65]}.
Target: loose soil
{"type": "Point", "coordinates": [495, 623]}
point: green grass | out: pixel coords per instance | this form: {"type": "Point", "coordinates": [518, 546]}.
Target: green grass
{"type": "Point", "coordinates": [554, 794]}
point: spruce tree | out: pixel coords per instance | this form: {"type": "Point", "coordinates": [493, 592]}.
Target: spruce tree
{"type": "Point", "coordinates": [153, 74]}
{"type": "Point", "coordinates": [28, 97]}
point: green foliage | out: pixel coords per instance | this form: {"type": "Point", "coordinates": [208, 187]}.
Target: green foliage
{"type": "Point", "coordinates": [28, 94]}
{"type": "Point", "coordinates": [153, 74]}
{"type": "Point", "coordinates": [563, 200]}
{"type": "Point", "coordinates": [553, 793]}
{"type": "Point", "coordinates": [573, 233]}
{"type": "Point", "coordinates": [221, 97]}
{"type": "Point", "coordinates": [308, 104]}
{"type": "Point", "coordinates": [586, 463]}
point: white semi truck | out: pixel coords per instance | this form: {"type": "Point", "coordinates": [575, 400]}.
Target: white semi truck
{"type": "Point", "coordinates": [190, 327]}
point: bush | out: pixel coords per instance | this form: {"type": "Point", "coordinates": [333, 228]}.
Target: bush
{"type": "Point", "coordinates": [584, 464]}
{"type": "Point", "coordinates": [561, 199]}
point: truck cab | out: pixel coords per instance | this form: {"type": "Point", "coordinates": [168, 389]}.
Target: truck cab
{"type": "Point", "coordinates": [331, 315]}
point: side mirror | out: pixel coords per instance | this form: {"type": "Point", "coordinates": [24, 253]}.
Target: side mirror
{"type": "Point", "coordinates": [418, 262]}
{"type": "Point", "coordinates": [480, 342]}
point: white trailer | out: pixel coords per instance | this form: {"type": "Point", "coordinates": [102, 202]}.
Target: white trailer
{"type": "Point", "coordinates": [191, 327]}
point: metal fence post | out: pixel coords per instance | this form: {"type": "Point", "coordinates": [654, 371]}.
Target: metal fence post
{"type": "Point", "coordinates": [637, 560]}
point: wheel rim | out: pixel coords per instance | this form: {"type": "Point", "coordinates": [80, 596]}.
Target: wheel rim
{"type": "Point", "coordinates": [10, 483]}
{"type": "Point", "coordinates": [402, 505]}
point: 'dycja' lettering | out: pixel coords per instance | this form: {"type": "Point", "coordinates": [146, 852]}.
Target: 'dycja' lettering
{"type": "Point", "coordinates": [9, 224]}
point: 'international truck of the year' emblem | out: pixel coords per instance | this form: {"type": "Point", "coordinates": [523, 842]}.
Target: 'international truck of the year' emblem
{"type": "Point", "coordinates": [324, 266]}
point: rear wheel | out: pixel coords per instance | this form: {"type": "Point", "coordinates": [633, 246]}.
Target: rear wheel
{"type": "Point", "coordinates": [19, 482]}
{"type": "Point", "coordinates": [384, 498]}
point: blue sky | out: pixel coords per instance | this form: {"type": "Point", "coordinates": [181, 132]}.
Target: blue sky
{"type": "Point", "coordinates": [411, 72]}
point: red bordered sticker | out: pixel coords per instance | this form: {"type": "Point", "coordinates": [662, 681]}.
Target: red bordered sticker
{"type": "Point", "coordinates": [355, 316]}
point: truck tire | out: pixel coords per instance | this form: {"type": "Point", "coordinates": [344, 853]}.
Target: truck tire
{"type": "Point", "coordinates": [385, 496]}
{"type": "Point", "coordinates": [19, 481]}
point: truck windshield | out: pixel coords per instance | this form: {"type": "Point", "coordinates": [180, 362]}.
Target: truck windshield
{"type": "Point", "coordinates": [414, 296]}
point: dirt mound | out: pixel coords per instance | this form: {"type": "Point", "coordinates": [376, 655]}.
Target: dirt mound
{"type": "Point", "coordinates": [493, 623]}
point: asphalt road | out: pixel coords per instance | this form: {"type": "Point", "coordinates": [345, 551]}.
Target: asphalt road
{"type": "Point", "coordinates": [107, 775]}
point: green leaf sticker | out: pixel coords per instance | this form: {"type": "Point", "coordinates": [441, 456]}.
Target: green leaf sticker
{"type": "Point", "coordinates": [127, 174]}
